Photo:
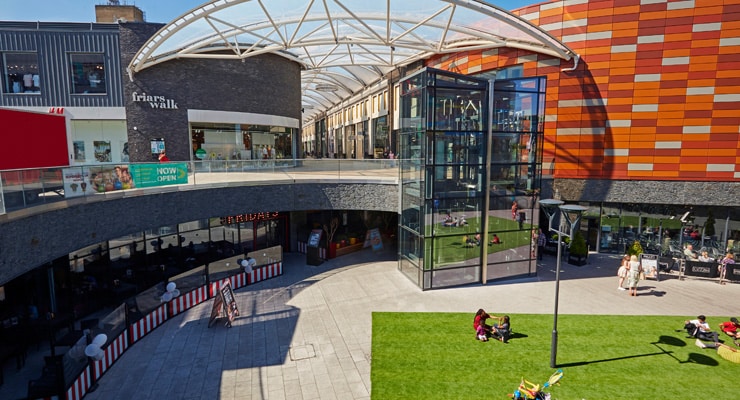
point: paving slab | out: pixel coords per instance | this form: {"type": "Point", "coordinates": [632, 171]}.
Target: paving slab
{"type": "Point", "coordinates": [307, 334]}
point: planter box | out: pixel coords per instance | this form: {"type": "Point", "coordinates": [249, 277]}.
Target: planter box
{"type": "Point", "coordinates": [349, 249]}
{"type": "Point", "coordinates": [577, 260]}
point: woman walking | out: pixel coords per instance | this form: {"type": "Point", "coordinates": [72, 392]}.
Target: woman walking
{"type": "Point", "coordinates": [633, 276]}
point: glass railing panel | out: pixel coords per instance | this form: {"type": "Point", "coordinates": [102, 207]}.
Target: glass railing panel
{"type": "Point", "coordinates": [33, 187]}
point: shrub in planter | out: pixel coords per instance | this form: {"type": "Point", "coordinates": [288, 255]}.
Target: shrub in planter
{"type": "Point", "coordinates": [578, 251]}
{"type": "Point", "coordinates": [635, 249]}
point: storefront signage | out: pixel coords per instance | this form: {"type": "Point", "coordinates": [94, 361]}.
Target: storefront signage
{"type": "Point", "coordinates": [155, 101]}
{"type": "Point", "coordinates": [237, 219]}
{"type": "Point", "coordinates": [150, 175]}
{"type": "Point", "coordinates": [224, 306]}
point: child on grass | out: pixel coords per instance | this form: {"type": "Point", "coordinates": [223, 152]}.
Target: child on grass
{"type": "Point", "coordinates": [480, 333]}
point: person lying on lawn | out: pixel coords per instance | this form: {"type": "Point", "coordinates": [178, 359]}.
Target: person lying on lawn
{"type": "Point", "coordinates": [699, 328]}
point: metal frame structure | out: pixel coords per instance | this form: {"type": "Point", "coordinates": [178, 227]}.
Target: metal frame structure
{"type": "Point", "coordinates": [343, 46]}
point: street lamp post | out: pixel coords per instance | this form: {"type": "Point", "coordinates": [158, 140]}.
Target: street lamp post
{"type": "Point", "coordinates": [571, 214]}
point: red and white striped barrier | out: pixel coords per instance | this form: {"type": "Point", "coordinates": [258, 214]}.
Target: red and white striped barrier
{"type": "Point", "coordinates": [188, 300]}
{"type": "Point", "coordinates": [216, 286]}
{"type": "Point", "coordinates": [239, 280]}
{"type": "Point", "coordinates": [80, 386]}
{"type": "Point", "coordinates": [112, 353]}
{"type": "Point", "coordinates": [303, 249]}
{"type": "Point", "coordinates": [243, 279]}
{"type": "Point", "coordinates": [147, 324]}
{"type": "Point", "coordinates": [266, 272]}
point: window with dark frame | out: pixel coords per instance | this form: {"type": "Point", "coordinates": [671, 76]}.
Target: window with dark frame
{"type": "Point", "coordinates": [87, 71]}
{"type": "Point", "coordinates": [21, 71]}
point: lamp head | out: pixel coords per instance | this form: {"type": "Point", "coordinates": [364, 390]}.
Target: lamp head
{"type": "Point", "coordinates": [550, 206]}
{"type": "Point", "coordinates": [572, 214]}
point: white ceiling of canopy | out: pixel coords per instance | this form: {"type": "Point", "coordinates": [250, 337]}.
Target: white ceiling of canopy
{"type": "Point", "coordinates": [343, 46]}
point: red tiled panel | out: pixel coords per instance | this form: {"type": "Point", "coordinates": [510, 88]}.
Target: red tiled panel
{"type": "Point", "coordinates": [602, 74]}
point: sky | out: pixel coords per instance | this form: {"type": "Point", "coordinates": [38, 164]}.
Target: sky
{"type": "Point", "coordinates": [161, 11]}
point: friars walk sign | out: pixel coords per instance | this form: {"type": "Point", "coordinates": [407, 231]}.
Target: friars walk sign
{"type": "Point", "coordinates": [155, 101]}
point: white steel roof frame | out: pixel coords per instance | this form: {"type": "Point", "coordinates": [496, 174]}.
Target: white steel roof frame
{"type": "Point", "coordinates": [340, 42]}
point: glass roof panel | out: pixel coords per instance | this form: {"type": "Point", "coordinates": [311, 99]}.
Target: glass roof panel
{"type": "Point", "coordinates": [346, 43]}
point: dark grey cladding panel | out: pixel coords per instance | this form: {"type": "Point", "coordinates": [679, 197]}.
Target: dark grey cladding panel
{"type": "Point", "coordinates": [34, 240]}
{"type": "Point", "coordinates": [53, 43]}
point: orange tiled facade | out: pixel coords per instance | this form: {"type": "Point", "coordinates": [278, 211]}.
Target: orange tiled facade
{"type": "Point", "coordinates": [655, 95]}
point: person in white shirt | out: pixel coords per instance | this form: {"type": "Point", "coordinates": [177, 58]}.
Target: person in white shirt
{"type": "Point", "coordinates": [700, 329]}
{"type": "Point", "coordinates": [690, 253]}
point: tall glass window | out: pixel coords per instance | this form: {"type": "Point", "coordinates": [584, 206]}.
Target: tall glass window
{"type": "Point", "coordinates": [21, 73]}
{"type": "Point", "coordinates": [88, 73]}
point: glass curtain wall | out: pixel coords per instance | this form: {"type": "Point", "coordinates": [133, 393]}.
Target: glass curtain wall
{"type": "Point", "coordinates": [516, 159]}
{"type": "Point", "coordinates": [442, 151]}
{"type": "Point", "coordinates": [454, 216]}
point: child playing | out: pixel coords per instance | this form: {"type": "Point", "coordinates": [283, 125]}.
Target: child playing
{"type": "Point", "coordinates": [480, 332]}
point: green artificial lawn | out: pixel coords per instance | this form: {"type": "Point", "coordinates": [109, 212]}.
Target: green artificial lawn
{"type": "Point", "coordinates": [436, 356]}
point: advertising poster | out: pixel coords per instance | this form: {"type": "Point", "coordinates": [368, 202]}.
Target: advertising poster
{"type": "Point", "coordinates": [372, 238]}
{"type": "Point", "coordinates": [151, 175]}
{"type": "Point", "coordinates": [157, 145]}
{"type": "Point", "coordinates": [79, 150]}
{"type": "Point", "coordinates": [314, 238]}
{"type": "Point", "coordinates": [649, 265]}
{"type": "Point", "coordinates": [86, 181]}
{"type": "Point", "coordinates": [102, 151]}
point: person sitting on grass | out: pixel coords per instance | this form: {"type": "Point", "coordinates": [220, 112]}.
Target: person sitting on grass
{"type": "Point", "coordinates": [501, 331]}
{"type": "Point", "coordinates": [731, 329]}
{"type": "Point", "coordinates": [495, 239]}
{"type": "Point", "coordinates": [471, 242]}
{"type": "Point", "coordinates": [481, 334]}
{"type": "Point", "coordinates": [480, 321]}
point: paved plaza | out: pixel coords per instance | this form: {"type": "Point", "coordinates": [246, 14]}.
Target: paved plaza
{"type": "Point", "coordinates": [307, 333]}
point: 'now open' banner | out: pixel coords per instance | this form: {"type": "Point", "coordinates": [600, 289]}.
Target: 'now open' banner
{"type": "Point", "coordinates": [150, 175]}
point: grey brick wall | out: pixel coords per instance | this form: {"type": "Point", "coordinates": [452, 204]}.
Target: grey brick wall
{"type": "Point", "coordinates": [37, 239]}
{"type": "Point", "coordinates": [266, 84]}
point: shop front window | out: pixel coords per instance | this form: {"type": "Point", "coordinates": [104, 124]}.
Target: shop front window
{"type": "Point", "coordinates": [218, 143]}
{"type": "Point", "coordinates": [380, 130]}
{"type": "Point", "coordinates": [88, 73]}
{"type": "Point", "coordinates": [21, 73]}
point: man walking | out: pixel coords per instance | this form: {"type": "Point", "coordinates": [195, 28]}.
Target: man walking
{"type": "Point", "coordinates": [541, 241]}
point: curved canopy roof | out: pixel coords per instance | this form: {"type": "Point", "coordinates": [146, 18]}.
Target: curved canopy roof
{"type": "Point", "coordinates": [342, 45]}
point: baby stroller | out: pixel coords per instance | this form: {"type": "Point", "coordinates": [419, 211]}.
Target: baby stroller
{"type": "Point", "coordinates": [530, 391]}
